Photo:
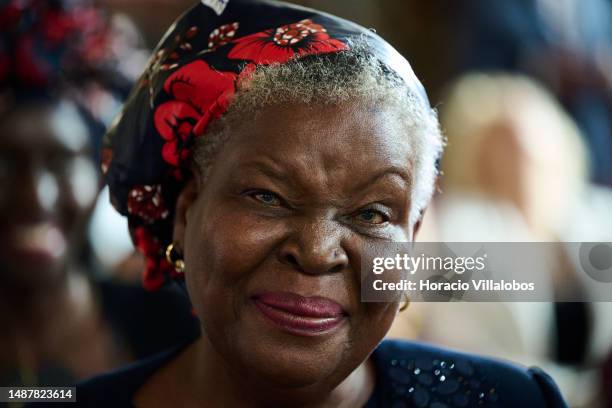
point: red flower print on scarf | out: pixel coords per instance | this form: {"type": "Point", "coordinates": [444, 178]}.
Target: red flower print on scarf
{"type": "Point", "coordinates": [222, 35]}
{"type": "Point", "coordinates": [147, 203]}
{"type": "Point", "coordinates": [200, 94]}
{"type": "Point", "coordinates": [285, 42]}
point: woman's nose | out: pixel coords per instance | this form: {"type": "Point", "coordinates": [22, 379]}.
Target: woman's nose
{"type": "Point", "coordinates": [315, 249]}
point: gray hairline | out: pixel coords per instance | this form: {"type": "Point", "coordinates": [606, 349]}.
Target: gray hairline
{"type": "Point", "coordinates": [334, 79]}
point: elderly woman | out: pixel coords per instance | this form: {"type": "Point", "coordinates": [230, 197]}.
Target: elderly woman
{"type": "Point", "coordinates": [265, 146]}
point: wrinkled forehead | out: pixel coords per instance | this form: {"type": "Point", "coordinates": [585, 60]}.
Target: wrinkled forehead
{"type": "Point", "coordinates": [349, 139]}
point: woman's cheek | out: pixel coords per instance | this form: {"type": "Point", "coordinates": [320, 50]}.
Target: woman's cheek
{"type": "Point", "coordinates": [233, 244]}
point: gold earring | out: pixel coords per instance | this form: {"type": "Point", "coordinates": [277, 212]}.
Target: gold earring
{"type": "Point", "coordinates": [174, 258]}
{"type": "Point", "coordinates": [405, 305]}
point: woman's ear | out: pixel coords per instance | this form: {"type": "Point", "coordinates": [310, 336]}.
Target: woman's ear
{"type": "Point", "coordinates": [183, 203]}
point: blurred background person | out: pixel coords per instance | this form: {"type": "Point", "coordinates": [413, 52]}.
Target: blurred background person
{"type": "Point", "coordinates": [515, 169]}
{"type": "Point", "coordinates": [58, 83]}
{"type": "Point", "coordinates": [514, 158]}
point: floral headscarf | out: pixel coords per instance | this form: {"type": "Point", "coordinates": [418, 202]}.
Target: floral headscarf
{"type": "Point", "coordinates": [188, 83]}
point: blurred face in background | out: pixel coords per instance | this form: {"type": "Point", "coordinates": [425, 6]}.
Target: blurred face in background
{"type": "Point", "coordinates": [509, 141]}
{"type": "Point", "coordinates": [48, 184]}
{"type": "Point", "coordinates": [524, 162]}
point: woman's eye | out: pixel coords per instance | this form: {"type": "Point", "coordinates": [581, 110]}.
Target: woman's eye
{"type": "Point", "coordinates": [372, 217]}
{"type": "Point", "coordinates": [266, 198]}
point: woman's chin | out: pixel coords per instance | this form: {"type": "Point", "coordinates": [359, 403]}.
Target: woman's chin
{"type": "Point", "coordinates": [288, 369]}
{"type": "Point", "coordinates": [291, 357]}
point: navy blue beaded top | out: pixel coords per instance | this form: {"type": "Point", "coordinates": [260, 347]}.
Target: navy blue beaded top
{"type": "Point", "coordinates": [409, 374]}
{"type": "Point", "coordinates": [412, 374]}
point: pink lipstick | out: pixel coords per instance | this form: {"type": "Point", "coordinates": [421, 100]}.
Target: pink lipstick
{"type": "Point", "coordinates": [304, 316]}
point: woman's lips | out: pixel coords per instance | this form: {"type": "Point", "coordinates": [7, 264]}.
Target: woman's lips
{"type": "Point", "coordinates": [305, 316]}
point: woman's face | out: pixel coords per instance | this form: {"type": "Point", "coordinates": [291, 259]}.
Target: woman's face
{"type": "Point", "coordinates": [48, 183]}
{"type": "Point", "coordinates": [272, 240]}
